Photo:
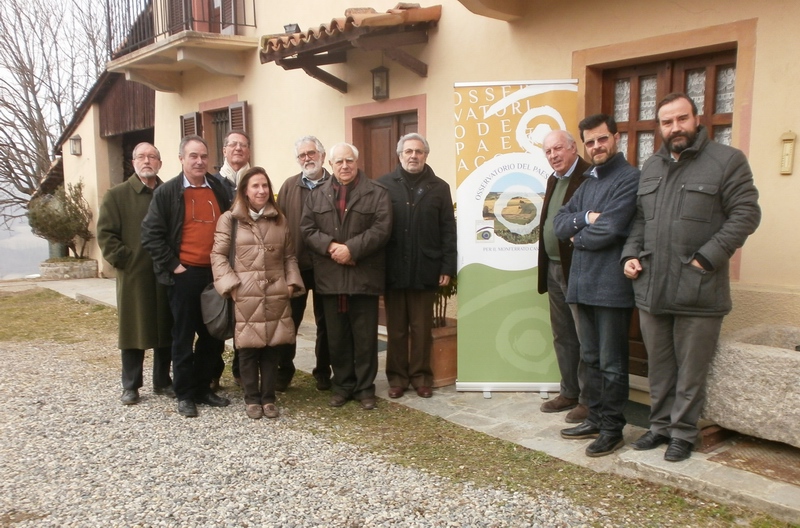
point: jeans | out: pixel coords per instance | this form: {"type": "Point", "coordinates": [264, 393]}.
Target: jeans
{"type": "Point", "coordinates": [604, 350]}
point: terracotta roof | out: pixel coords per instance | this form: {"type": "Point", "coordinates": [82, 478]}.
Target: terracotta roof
{"type": "Point", "coordinates": [356, 21]}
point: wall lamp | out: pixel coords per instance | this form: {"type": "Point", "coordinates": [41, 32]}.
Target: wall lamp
{"type": "Point", "coordinates": [291, 29]}
{"type": "Point", "coordinates": [380, 83]}
{"type": "Point", "coordinates": [75, 145]}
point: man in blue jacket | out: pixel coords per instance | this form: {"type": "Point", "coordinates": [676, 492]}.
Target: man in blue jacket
{"type": "Point", "coordinates": [597, 220]}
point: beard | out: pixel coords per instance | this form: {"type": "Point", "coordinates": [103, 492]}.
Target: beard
{"type": "Point", "coordinates": [680, 141]}
{"type": "Point", "coordinates": [312, 171]}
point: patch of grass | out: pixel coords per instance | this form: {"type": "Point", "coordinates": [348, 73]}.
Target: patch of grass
{"type": "Point", "coordinates": [41, 314]}
{"type": "Point", "coordinates": [409, 437]}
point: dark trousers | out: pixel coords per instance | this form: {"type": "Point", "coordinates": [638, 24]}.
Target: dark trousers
{"type": "Point", "coordinates": [258, 367]}
{"type": "Point", "coordinates": [322, 370]}
{"type": "Point", "coordinates": [353, 341]}
{"type": "Point", "coordinates": [604, 351]}
{"type": "Point", "coordinates": [192, 363]}
{"type": "Point", "coordinates": [409, 320]}
{"type": "Point", "coordinates": [680, 349]}
{"type": "Point", "coordinates": [132, 368]}
{"type": "Point", "coordinates": [565, 334]}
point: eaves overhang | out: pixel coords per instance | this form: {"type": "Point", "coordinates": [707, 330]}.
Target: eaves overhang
{"type": "Point", "coordinates": [360, 28]}
{"type": "Point", "coordinates": [161, 64]}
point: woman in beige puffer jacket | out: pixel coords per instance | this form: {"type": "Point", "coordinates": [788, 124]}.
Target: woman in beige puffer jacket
{"type": "Point", "coordinates": [263, 278]}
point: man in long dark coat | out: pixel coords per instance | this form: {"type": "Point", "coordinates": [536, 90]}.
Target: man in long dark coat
{"type": "Point", "coordinates": [145, 320]}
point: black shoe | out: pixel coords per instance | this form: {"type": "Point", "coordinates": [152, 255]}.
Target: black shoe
{"type": "Point", "coordinates": [584, 430]}
{"type": "Point", "coordinates": [187, 408]}
{"type": "Point", "coordinates": [212, 400]}
{"type": "Point", "coordinates": [164, 391]}
{"type": "Point", "coordinates": [604, 445]}
{"type": "Point", "coordinates": [323, 384]}
{"type": "Point", "coordinates": [649, 440]}
{"type": "Point", "coordinates": [678, 450]}
{"type": "Point", "coordinates": [129, 397]}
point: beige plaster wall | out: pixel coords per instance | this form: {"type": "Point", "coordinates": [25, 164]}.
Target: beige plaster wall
{"type": "Point", "coordinates": [284, 105]}
{"type": "Point", "coordinates": [92, 167]}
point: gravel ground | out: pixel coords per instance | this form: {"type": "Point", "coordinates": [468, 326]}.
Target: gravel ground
{"type": "Point", "coordinates": [72, 455]}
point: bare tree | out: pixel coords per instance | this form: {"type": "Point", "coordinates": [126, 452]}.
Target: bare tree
{"type": "Point", "coordinates": [51, 52]}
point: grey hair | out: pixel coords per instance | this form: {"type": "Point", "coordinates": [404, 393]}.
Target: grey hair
{"type": "Point", "coordinates": [142, 144]}
{"type": "Point", "coordinates": [564, 133]}
{"type": "Point", "coordinates": [307, 139]}
{"type": "Point", "coordinates": [413, 135]}
{"type": "Point", "coordinates": [340, 145]}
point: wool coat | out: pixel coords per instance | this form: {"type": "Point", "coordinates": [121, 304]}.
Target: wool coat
{"type": "Point", "coordinates": [291, 199]}
{"type": "Point", "coordinates": [423, 242]}
{"type": "Point", "coordinates": [596, 277]}
{"type": "Point", "coordinates": [145, 320]}
{"type": "Point", "coordinates": [264, 267]}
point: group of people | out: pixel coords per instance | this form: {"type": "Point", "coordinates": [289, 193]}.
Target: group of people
{"type": "Point", "coordinates": [613, 238]}
{"type": "Point", "coordinates": [340, 234]}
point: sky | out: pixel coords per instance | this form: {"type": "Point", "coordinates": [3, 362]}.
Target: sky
{"type": "Point", "coordinates": [20, 252]}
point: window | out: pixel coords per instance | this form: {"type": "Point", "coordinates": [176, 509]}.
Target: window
{"type": "Point", "coordinates": [218, 122]}
{"type": "Point", "coordinates": [630, 94]}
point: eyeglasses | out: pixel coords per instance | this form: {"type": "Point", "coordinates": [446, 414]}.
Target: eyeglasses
{"type": "Point", "coordinates": [309, 154]}
{"type": "Point", "coordinates": [151, 157]}
{"type": "Point", "coordinates": [602, 140]}
{"type": "Point", "coordinates": [409, 152]}
{"type": "Point", "coordinates": [213, 213]}
{"type": "Point", "coordinates": [234, 144]}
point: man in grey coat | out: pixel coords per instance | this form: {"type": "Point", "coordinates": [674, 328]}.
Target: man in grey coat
{"type": "Point", "coordinates": [145, 320]}
{"type": "Point", "coordinates": [696, 206]}
{"type": "Point", "coordinates": [597, 220]}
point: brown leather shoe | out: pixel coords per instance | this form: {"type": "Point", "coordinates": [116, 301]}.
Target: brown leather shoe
{"type": "Point", "coordinates": [253, 411]}
{"type": "Point", "coordinates": [424, 392]}
{"type": "Point", "coordinates": [270, 411]}
{"type": "Point", "coordinates": [578, 414]}
{"type": "Point", "coordinates": [337, 400]}
{"type": "Point", "coordinates": [558, 404]}
{"type": "Point", "coordinates": [368, 404]}
{"type": "Point", "coordinates": [396, 392]}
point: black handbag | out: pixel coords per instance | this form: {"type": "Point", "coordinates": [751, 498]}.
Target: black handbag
{"type": "Point", "coordinates": [218, 312]}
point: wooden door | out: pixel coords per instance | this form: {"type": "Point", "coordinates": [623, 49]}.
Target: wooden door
{"type": "Point", "coordinates": [378, 153]}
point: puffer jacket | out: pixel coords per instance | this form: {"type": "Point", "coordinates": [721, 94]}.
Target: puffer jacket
{"type": "Point", "coordinates": [264, 268]}
{"type": "Point", "coordinates": [705, 204]}
{"type": "Point", "coordinates": [365, 230]}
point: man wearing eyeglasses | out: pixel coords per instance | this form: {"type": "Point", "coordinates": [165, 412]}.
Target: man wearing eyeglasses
{"type": "Point", "coordinates": [420, 258]}
{"type": "Point", "coordinates": [555, 258]}
{"type": "Point", "coordinates": [346, 224]}
{"type": "Point", "coordinates": [236, 153]}
{"type": "Point", "coordinates": [178, 231]}
{"type": "Point", "coordinates": [310, 155]}
{"type": "Point", "coordinates": [597, 220]}
{"type": "Point", "coordinates": [143, 312]}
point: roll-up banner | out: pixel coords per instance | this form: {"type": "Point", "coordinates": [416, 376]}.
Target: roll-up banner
{"type": "Point", "coordinates": [504, 337]}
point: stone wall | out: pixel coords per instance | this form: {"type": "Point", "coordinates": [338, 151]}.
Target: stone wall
{"type": "Point", "coordinates": [69, 269]}
{"type": "Point", "coordinates": [754, 383]}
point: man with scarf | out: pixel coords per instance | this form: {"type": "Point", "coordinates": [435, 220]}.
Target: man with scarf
{"type": "Point", "coordinates": [420, 257]}
{"type": "Point", "coordinates": [236, 152]}
{"type": "Point", "coordinates": [346, 224]}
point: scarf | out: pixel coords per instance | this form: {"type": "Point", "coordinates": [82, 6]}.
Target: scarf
{"type": "Point", "coordinates": [232, 175]}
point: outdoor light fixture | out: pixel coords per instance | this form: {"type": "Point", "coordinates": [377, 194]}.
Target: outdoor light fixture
{"type": "Point", "coordinates": [75, 145]}
{"type": "Point", "coordinates": [380, 83]}
{"type": "Point", "coordinates": [291, 28]}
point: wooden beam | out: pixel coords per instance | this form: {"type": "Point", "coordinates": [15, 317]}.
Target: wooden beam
{"type": "Point", "coordinates": [326, 78]}
{"type": "Point", "coordinates": [307, 60]}
{"type": "Point", "coordinates": [407, 61]}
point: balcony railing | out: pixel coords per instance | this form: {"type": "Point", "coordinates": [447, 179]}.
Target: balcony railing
{"type": "Point", "coordinates": [134, 24]}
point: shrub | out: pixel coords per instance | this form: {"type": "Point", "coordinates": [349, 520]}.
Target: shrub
{"type": "Point", "coordinates": [62, 218]}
